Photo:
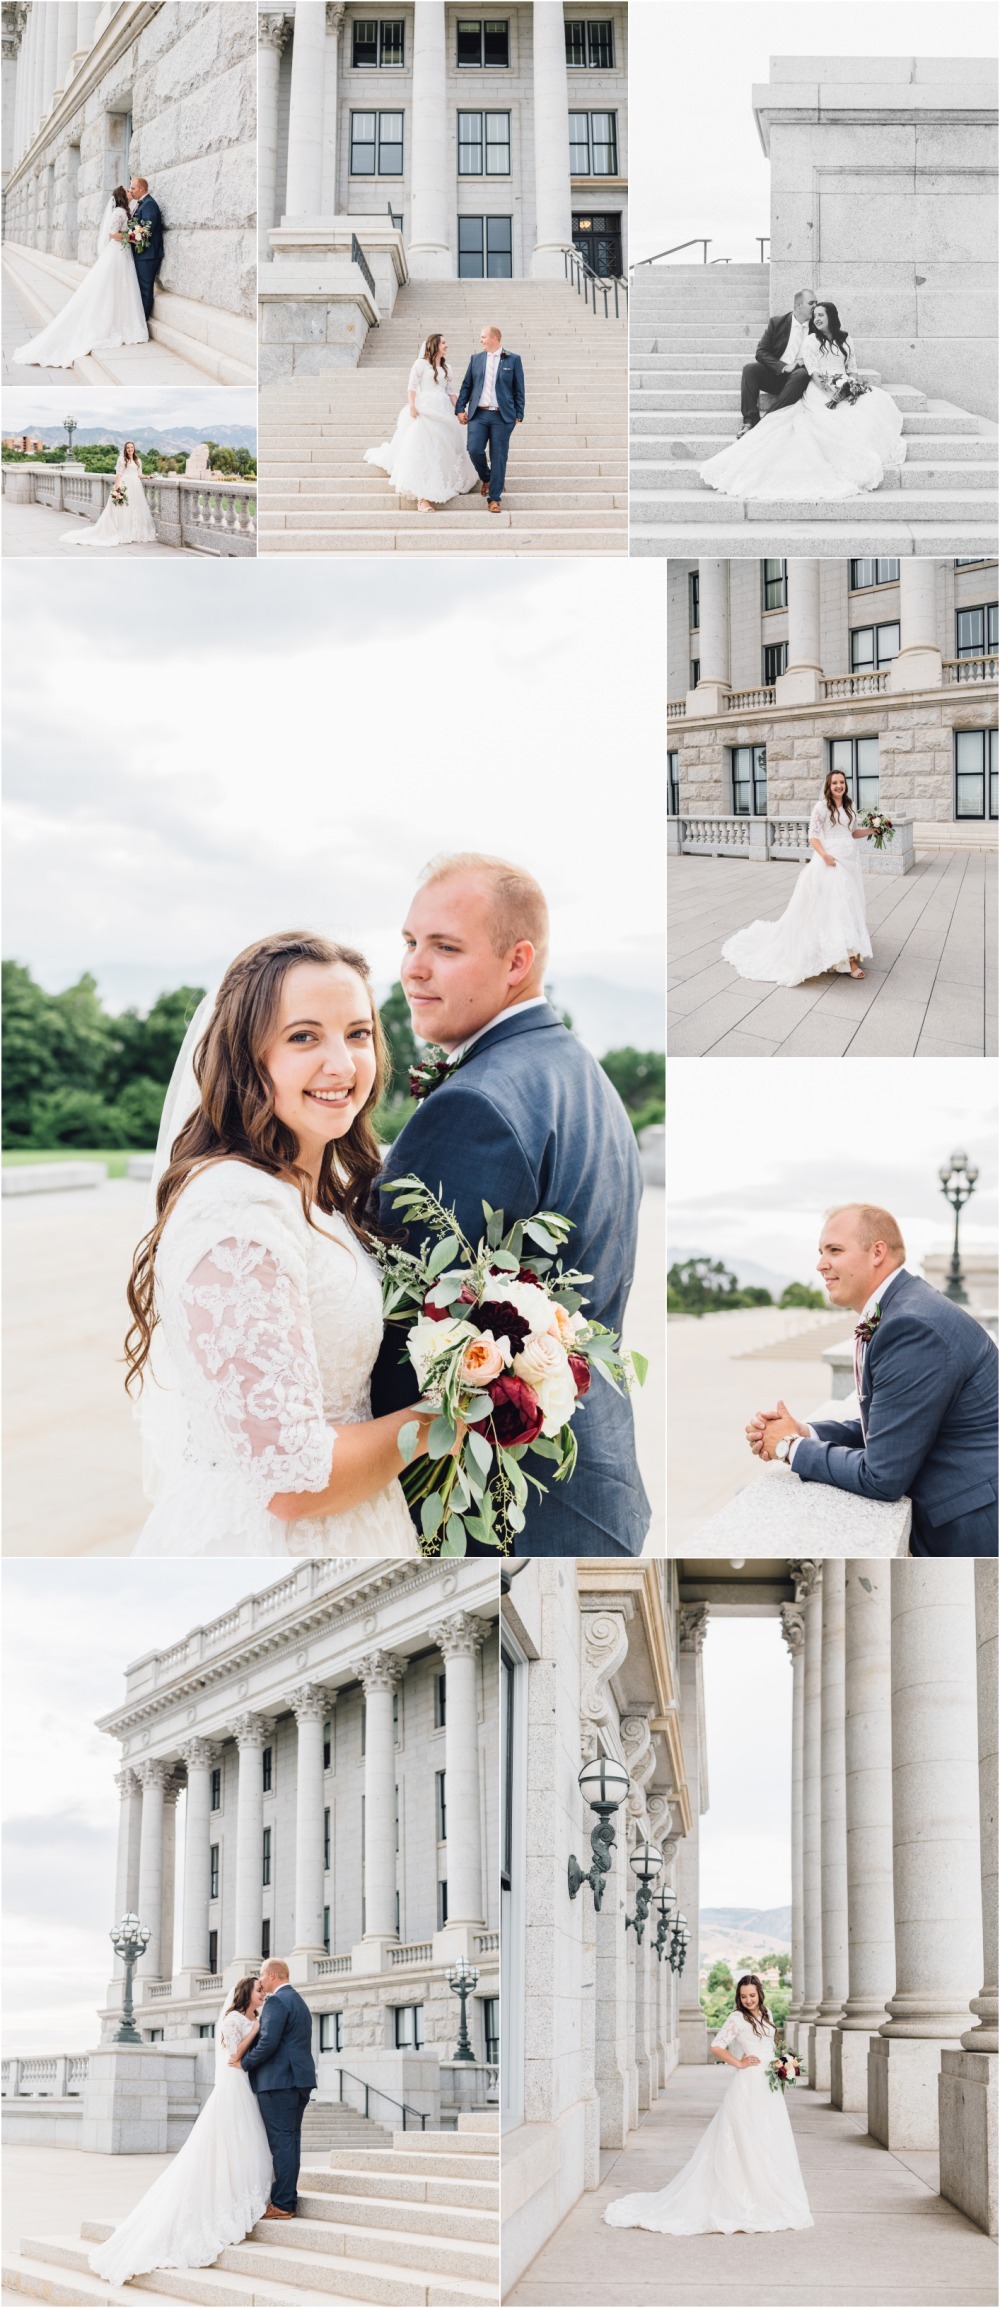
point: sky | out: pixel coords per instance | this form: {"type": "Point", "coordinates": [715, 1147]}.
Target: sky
{"type": "Point", "coordinates": [697, 162]}
{"type": "Point", "coordinates": [755, 1155]}
{"type": "Point", "coordinates": [745, 1851]}
{"type": "Point", "coordinates": [27, 406]}
{"type": "Point", "coordinates": [226, 753]}
{"type": "Point", "coordinates": [67, 1641]}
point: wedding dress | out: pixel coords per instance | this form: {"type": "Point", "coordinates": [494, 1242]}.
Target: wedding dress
{"type": "Point", "coordinates": [105, 310]}
{"type": "Point", "coordinates": [744, 2174]}
{"type": "Point", "coordinates": [268, 1331]}
{"type": "Point", "coordinates": [427, 456]}
{"type": "Point", "coordinates": [812, 450]}
{"type": "Point", "coordinates": [214, 2191]}
{"type": "Point", "coordinates": [128, 524]}
{"type": "Point", "coordinates": [823, 922]}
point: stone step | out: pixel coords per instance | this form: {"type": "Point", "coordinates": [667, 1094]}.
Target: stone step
{"type": "Point", "coordinates": [29, 2277]}
{"type": "Point", "coordinates": [347, 2209]}
{"type": "Point", "coordinates": [689, 424]}
{"type": "Point", "coordinates": [532, 472]}
{"type": "Point", "coordinates": [333, 501]}
{"type": "Point", "coordinates": [57, 2268]}
{"type": "Point", "coordinates": [913, 475]}
{"type": "Point", "coordinates": [921, 448]}
{"type": "Point", "coordinates": [425, 2187]}
{"type": "Point", "coordinates": [873, 507]}
{"type": "Point", "coordinates": [520, 540]}
{"type": "Point", "coordinates": [354, 2277]}
{"type": "Point", "coordinates": [477, 2139]}
{"type": "Point", "coordinates": [332, 2238]}
{"type": "Point", "coordinates": [188, 336]}
{"type": "Point", "coordinates": [458, 522]}
{"type": "Point", "coordinates": [927, 541]}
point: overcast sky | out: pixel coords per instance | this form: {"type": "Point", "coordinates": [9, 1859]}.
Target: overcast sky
{"type": "Point", "coordinates": [745, 1857]}
{"type": "Point", "coordinates": [33, 405]}
{"type": "Point", "coordinates": [756, 1154]}
{"type": "Point", "coordinates": [67, 1641]}
{"type": "Point", "coordinates": [697, 165]}
{"type": "Point", "coordinates": [196, 756]}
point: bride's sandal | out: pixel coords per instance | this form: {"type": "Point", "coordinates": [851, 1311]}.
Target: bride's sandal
{"type": "Point", "coordinates": [856, 969]}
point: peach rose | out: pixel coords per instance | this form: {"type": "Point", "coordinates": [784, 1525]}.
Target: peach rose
{"type": "Point", "coordinates": [483, 1360]}
{"type": "Point", "coordinates": [561, 1327]}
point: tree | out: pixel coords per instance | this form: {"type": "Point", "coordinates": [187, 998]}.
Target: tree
{"type": "Point", "coordinates": [703, 1285]}
{"type": "Point", "coordinates": [801, 1294]}
{"type": "Point", "coordinates": [639, 1076]}
{"type": "Point", "coordinates": [74, 1075]}
{"type": "Point", "coordinates": [717, 1994]}
{"type": "Point", "coordinates": [147, 1047]}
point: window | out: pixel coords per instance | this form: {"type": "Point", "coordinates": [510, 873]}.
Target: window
{"type": "Point", "coordinates": [327, 1745]}
{"type": "Point", "coordinates": [974, 561]}
{"type": "Point", "coordinates": [873, 646]}
{"type": "Point", "coordinates": [206, 2028]}
{"type": "Point", "coordinates": [216, 1796]}
{"type": "Point", "coordinates": [749, 780]}
{"type": "Point", "coordinates": [485, 248]}
{"type": "Point", "coordinates": [694, 595]}
{"type": "Point", "coordinates": [976, 631]}
{"type": "Point", "coordinates": [267, 1769]}
{"type": "Point", "coordinates": [213, 1874]}
{"type": "Point", "coordinates": [858, 758]}
{"type": "Point", "coordinates": [331, 2031]}
{"type": "Point", "coordinates": [265, 1938]}
{"type": "Point", "coordinates": [266, 1876]}
{"type": "Point", "coordinates": [326, 1929]}
{"type": "Point", "coordinates": [590, 45]}
{"type": "Point", "coordinates": [775, 660]}
{"type": "Point", "coordinates": [396, 1791]}
{"type": "Point", "coordinates": [695, 671]}
{"type": "Point", "coordinates": [409, 2027]}
{"type": "Point", "coordinates": [593, 143]}
{"type": "Point", "coordinates": [376, 144]}
{"type": "Point", "coordinates": [484, 144]}
{"type": "Point", "coordinates": [442, 1814]}
{"type": "Point", "coordinates": [326, 1840]}
{"type": "Point", "coordinates": [155, 2036]}
{"type": "Point", "coordinates": [673, 786]}
{"type": "Point", "coordinates": [440, 1702]}
{"type": "Point", "coordinates": [376, 42]}
{"type": "Point", "coordinates": [975, 772]}
{"type": "Point", "coordinates": [442, 1910]}
{"type": "Point", "coordinates": [213, 1952]}
{"type": "Point", "coordinates": [491, 2027]}
{"type": "Point", "coordinates": [865, 573]}
{"type": "Point", "coordinates": [483, 41]}
{"type": "Point", "coordinates": [774, 584]}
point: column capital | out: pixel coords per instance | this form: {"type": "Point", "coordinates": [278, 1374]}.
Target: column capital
{"type": "Point", "coordinates": [335, 13]}
{"type": "Point", "coordinates": [172, 1791]}
{"type": "Point", "coordinates": [379, 1671]}
{"type": "Point", "coordinates": [199, 1754]}
{"type": "Point", "coordinates": [693, 1626]}
{"type": "Point", "coordinates": [310, 1703]}
{"type": "Point", "coordinates": [804, 1577]}
{"type": "Point", "coordinates": [461, 1636]}
{"type": "Point", "coordinates": [605, 1645]}
{"type": "Point", "coordinates": [252, 1731]}
{"type": "Point", "coordinates": [793, 1627]}
{"type": "Point", "coordinates": [273, 27]}
{"type": "Point", "coordinates": [153, 1773]}
{"type": "Point", "coordinates": [127, 1780]}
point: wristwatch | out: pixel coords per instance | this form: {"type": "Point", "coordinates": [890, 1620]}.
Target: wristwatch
{"type": "Point", "coordinates": [782, 1448]}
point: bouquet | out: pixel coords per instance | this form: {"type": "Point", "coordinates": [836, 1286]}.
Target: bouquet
{"type": "Point", "coordinates": [119, 494]}
{"type": "Point", "coordinates": [784, 2070]}
{"type": "Point", "coordinates": [504, 1350]}
{"type": "Point", "coordinates": [880, 827]}
{"type": "Point", "coordinates": [138, 235]}
{"type": "Point", "coordinates": [845, 391]}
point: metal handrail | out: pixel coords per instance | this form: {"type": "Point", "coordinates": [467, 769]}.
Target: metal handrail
{"type": "Point", "coordinates": [372, 2090]}
{"type": "Point", "coordinates": [359, 258]}
{"type": "Point", "coordinates": [763, 239]}
{"type": "Point", "coordinates": [675, 251]}
{"type": "Point", "coordinates": [576, 268]}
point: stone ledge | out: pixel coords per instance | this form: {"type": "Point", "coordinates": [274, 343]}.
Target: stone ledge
{"type": "Point", "coordinates": [779, 1515]}
{"type": "Point", "coordinates": [51, 1177]}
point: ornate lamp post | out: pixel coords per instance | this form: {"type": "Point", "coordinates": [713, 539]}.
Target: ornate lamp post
{"type": "Point", "coordinates": [645, 1862]}
{"type": "Point", "coordinates": [129, 1939]}
{"type": "Point", "coordinates": [664, 1907]}
{"type": "Point", "coordinates": [958, 1183]}
{"type": "Point", "coordinates": [70, 427]}
{"type": "Point", "coordinates": [463, 1979]}
{"type": "Point", "coordinates": [604, 1784]}
{"type": "Point", "coordinates": [678, 1943]}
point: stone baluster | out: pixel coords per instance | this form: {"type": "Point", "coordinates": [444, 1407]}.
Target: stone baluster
{"type": "Point", "coordinates": [868, 1761]}
{"type": "Point", "coordinates": [800, 683]}
{"type": "Point", "coordinates": [459, 1639]}
{"type": "Point", "coordinates": [553, 211]}
{"type": "Point", "coordinates": [305, 110]}
{"type": "Point", "coordinates": [129, 1831]}
{"type": "Point", "coordinates": [380, 1674]}
{"type": "Point", "coordinates": [833, 1827]}
{"type": "Point", "coordinates": [201, 1757]}
{"type": "Point", "coordinates": [272, 33]}
{"type": "Point", "coordinates": [311, 1707]}
{"type": "Point", "coordinates": [713, 641]}
{"type": "Point", "coordinates": [251, 1733]}
{"type": "Point", "coordinates": [335, 13]}
{"type": "Point", "coordinates": [812, 1888]}
{"type": "Point", "coordinates": [793, 1628]}
{"type": "Point", "coordinates": [152, 1777]}
{"type": "Point", "coordinates": [968, 2081]}
{"type": "Point", "coordinates": [918, 663]}
{"type": "Point", "coordinates": [431, 156]}
{"type": "Point", "coordinates": [692, 2030]}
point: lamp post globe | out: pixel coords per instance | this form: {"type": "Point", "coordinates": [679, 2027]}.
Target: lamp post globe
{"type": "Point", "coordinates": [604, 1784]}
{"type": "Point", "coordinates": [463, 1980]}
{"type": "Point", "coordinates": [130, 1939]}
{"type": "Point", "coordinates": [958, 1183]}
{"type": "Point", "coordinates": [646, 1863]}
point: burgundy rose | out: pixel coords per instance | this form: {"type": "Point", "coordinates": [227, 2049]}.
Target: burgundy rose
{"type": "Point", "coordinates": [517, 1414]}
{"type": "Point", "coordinates": [580, 1368]}
{"type": "Point", "coordinates": [468, 1296]}
{"type": "Point", "coordinates": [434, 1313]}
{"type": "Point", "coordinates": [504, 1321]}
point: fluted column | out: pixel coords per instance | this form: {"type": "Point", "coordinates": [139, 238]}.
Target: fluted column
{"type": "Point", "coordinates": [335, 13]}
{"type": "Point", "coordinates": [51, 14]}
{"type": "Point", "coordinates": [38, 14]}
{"type": "Point", "coordinates": [713, 641]}
{"type": "Point", "coordinates": [171, 1796]}
{"type": "Point", "coordinates": [311, 1708]}
{"type": "Point", "coordinates": [201, 1757]}
{"type": "Point", "coordinates": [251, 1733]}
{"type": "Point", "coordinates": [65, 44]}
{"type": "Point", "coordinates": [87, 14]}
{"type": "Point", "coordinates": [152, 1778]}
{"type": "Point", "coordinates": [432, 163]}
{"type": "Point", "coordinates": [692, 2027]}
{"type": "Point", "coordinates": [129, 1831]}
{"type": "Point", "coordinates": [459, 1639]}
{"type": "Point", "coordinates": [13, 65]}
{"type": "Point", "coordinates": [935, 1858]}
{"type": "Point", "coordinates": [305, 110]}
{"type": "Point", "coordinates": [272, 32]}
{"type": "Point", "coordinates": [793, 1628]}
{"type": "Point", "coordinates": [550, 98]}
{"type": "Point", "coordinates": [812, 1887]}
{"type": "Point", "coordinates": [868, 1761]}
{"type": "Point", "coordinates": [967, 2089]}
{"type": "Point", "coordinates": [833, 1827]}
{"type": "Point", "coordinates": [380, 1674]}
{"type": "Point", "coordinates": [918, 665]}
{"type": "Point", "coordinates": [800, 684]}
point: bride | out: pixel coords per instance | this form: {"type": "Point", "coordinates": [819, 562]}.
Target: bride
{"type": "Point", "coordinates": [256, 1303]}
{"type": "Point", "coordinates": [823, 926]}
{"type": "Point", "coordinates": [129, 524]}
{"type": "Point", "coordinates": [824, 445]}
{"type": "Point", "coordinates": [218, 2184]}
{"type": "Point", "coordinates": [427, 457]}
{"type": "Point", "coordinates": [744, 2174]}
{"type": "Point", "coordinates": [105, 310]}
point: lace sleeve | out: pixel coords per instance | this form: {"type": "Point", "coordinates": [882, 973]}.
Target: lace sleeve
{"type": "Point", "coordinates": [250, 1334]}
{"type": "Point", "coordinates": [417, 376]}
{"type": "Point", "coordinates": [234, 2027]}
{"type": "Point", "coordinates": [819, 823]}
{"type": "Point", "coordinates": [727, 2033]}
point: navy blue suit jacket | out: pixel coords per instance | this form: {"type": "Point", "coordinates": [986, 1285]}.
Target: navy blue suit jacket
{"type": "Point", "coordinates": [281, 2059]}
{"type": "Point", "coordinates": [928, 1425]}
{"type": "Point", "coordinates": [530, 1122]}
{"type": "Point", "coordinates": [509, 391]}
{"type": "Point", "coordinates": [146, 211]}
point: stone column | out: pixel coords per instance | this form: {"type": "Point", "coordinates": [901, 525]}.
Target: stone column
{"type": "Point", "coordinates": [152, 1778]}
{"type": "Point", "coordinates": [65, 44]}
{"type": "Point", "coordinates": [793, 1628]}
{"type": "Point", "coordinates": [812, 1888]}
{"type": "Point", "coordinates": [87, 14]}
{"type": "Point", "coordinates": [968, 2082]}
{"type": "Point", "coordinates": [305, 110]}
{"type": "Point", "coordinates": [713, 642]}
{"type": "Point", "coordinates": [432, 163]}
{"type": "Point", "coordinates": [868, 1759]}
{"type": "Point", "coordinates": [129, 1831]}
{"type": "Point", "coordinates": [935, 1856]}
{"type": "Point", "coordinates": [833, 1828]}
{"type": "Point", "coordinates": [692, 2027]}
{"type": "Point", "coordinates": [380, 1675]}
{"type": "Point", "coordinates": [612, 2049]}
{"type": "Point", "coordinates": [201, 1757]}
{"type": "Point", "coordinates": [171, 1795]}
{"type": "Point", "coordinates": [459, 1639]}
{"type": "Point", "coordinates": [553, 199]}
{"type": "Point", "coordinates": [311, 1708]}
{"type": "Point", "coordinates": [251, 1733]}
{"type": "Point", "coordinates": [800, 685]}
{"type": "Point", "coordinates": [272, 32]}
{"type": "Point", "coordinates": [38, 14]}
{"type": "Point", "coordinates": [51, 15]}
{"type": "Point", "coordinates": [331, 106]}
{"type": "Point", "coordinates": [13, 97]}
{"type": "Point", "coordinates": [918, 665]}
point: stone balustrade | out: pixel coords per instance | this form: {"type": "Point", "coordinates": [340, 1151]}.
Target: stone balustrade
{"type": "Point", "coordinates": [676, 710]}
{"type": "Point", "coordinates": [748, 700]}
{"type": "Point", "coordinates": [855, 685]}
{"type": "Point", "coordinates": [420, 1951]}
{"type": "Point", "coordinates": [58, 2077]}
{"type": "Point", "coordinates": [958, 670]}
{"type": "Point", "coordinates": [487, 1942]}
{"type": "Point", "coordinates": [761, 839]}
{"type": "Point", "coordinates": [207, 516]}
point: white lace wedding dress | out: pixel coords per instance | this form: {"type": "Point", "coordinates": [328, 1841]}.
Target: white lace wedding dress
{"type": "Point", "coordinates": [268, 1332]}
{"type": "Point", "coordinates": [212, 2193]}
{"type": "Point", "coordinates": [105, 310]}
{"type": "Point", "coordinates": [128, 524]}
{"type": "Point", "coordinates": [427, 456]}
{"type": "Point", "coordinates": [812, 450]}
{"type": "Point", "coordinates": [744, 2174]}
{"type": "Point", "coordinates": [824, 921]}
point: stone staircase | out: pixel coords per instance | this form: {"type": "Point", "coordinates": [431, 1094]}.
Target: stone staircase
{"type": "Point", "coordinates": [190, 343]}
{"type": "Point", "coordinates": [566, 485]}
{"type": "Point", "coordinates": [329, 2124]}
{"type": "Point", "coordinates": [413, 2224]}
{"type": "Point", "coordinates": [692, 328]}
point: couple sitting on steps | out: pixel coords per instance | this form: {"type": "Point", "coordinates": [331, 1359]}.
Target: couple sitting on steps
{"type": "Point", "coordinates": [826, 434]}
{"type": "Point", "coordinates": [447, 443]}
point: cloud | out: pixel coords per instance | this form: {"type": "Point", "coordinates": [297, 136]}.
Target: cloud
{"type": "Point", "coordinates": [745, 1848]}
{"type": "Point", "coordinates": [26, 407]}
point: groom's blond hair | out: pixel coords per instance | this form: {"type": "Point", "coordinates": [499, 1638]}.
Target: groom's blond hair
{"type": "Point", "coordinates": [276, 1965]}
{"type": "Point", "coordinates": [874, 1225]}
{"type": "Point", "coordinates": [518, 906]}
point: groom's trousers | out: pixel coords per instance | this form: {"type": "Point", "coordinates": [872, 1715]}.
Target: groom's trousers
{"type": "Point", "coordinates": [489, 430]}
{"type": "Point", "coordinates": [758, 378]}
{"type": "Point", "coordinates": [147, 268]}
{"type": "Point", "coordinates": [282, 2114]}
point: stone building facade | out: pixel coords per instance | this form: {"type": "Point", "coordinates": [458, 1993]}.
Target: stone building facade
{"type": "Point", "coordinates": [780, 670]}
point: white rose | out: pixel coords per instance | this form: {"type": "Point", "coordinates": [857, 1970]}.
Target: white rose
{"type": "Point", "coordinates": [529, 1301]}
{"type": "Point", "coordinates": [545, 1367]}
{"type": "Point", "coordinates": [429, 1339]}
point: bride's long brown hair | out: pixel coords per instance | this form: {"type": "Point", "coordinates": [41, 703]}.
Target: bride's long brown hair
{"type": "Point", "coordinates": [761, 2014]}
{"type": "Point", "coordinates": [236, 1116]}
{"type": "Point", "coordinates": [846, 805]}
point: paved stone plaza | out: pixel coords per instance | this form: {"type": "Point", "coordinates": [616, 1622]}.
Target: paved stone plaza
{"type": "Point", "coordinates": [36, 531]}
{"type": "Point", "coordinates": [149, 365]}
{"type": "Point", "coordinates": [929, 989]}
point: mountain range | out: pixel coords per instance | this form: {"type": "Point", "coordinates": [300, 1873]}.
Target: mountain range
{"type": "Point", "coordinates": [749, 1275]}
{"type": "Point", "coordinates": [169, 440]}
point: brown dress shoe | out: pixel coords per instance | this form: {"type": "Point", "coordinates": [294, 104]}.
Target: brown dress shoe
{"type": "Point", "coordinates": [493, 508]}
{"type": "Point", "coordinates": [273, 2213]}
{"type": "Point", "coordinates": [484, 488]}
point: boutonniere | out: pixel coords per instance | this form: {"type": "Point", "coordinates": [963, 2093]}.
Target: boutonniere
{"type": "Point", "coordinates": [431, 1070]}
{"type": "Point", "coordinates": [866, 1330]}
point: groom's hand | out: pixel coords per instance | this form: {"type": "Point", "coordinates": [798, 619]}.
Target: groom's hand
{"type": "Point", "coordinates": [781, 1424]}
{"type": "Point", "coordinates": [464, 418]}
{"type": "Point", "coordinates": [236, 2059]}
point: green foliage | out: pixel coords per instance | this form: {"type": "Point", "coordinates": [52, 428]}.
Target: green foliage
{"type": "Point", "coordinates": [717, 1995]}
{"type": "Point", "coordinates": [395, 1017]}
{"type": "Point", "coordinates": [801, 1294]}
{"type": "Point", "coordinates": [638, 1076]}
{"type": "Point", "coordinates": [232, 464]}
{"type": "Point", "coordinates": [704, 1285]}
{"type": "Point", "coordinates": [76, 1118]}
{"type": "Point", "coordinates": [74, 1075]}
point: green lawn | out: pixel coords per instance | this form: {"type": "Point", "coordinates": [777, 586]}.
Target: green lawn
{"type": "Point", "coordinates": [115, 1156]}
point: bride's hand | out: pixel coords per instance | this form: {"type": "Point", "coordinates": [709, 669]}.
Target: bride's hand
{"type": "Point", "coordinates": [749, 2060]}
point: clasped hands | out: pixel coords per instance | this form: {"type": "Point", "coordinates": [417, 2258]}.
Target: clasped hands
{"type": "Point", "coordinates": [767, 1427]}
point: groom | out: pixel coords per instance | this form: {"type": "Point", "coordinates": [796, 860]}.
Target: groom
{"type": "Point", "coordinates": [282, 2074]}
{"type": "Point", "coordinates": [777, 367]}
{"type": "Point", "coordinates": [491, 403]}
{"type": "Point", "coordinates": [523, 1118]}
{"type": "Point", "coordinates": [927, 1386]}
{"type": "Point", "coordinates": [145, 210]}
